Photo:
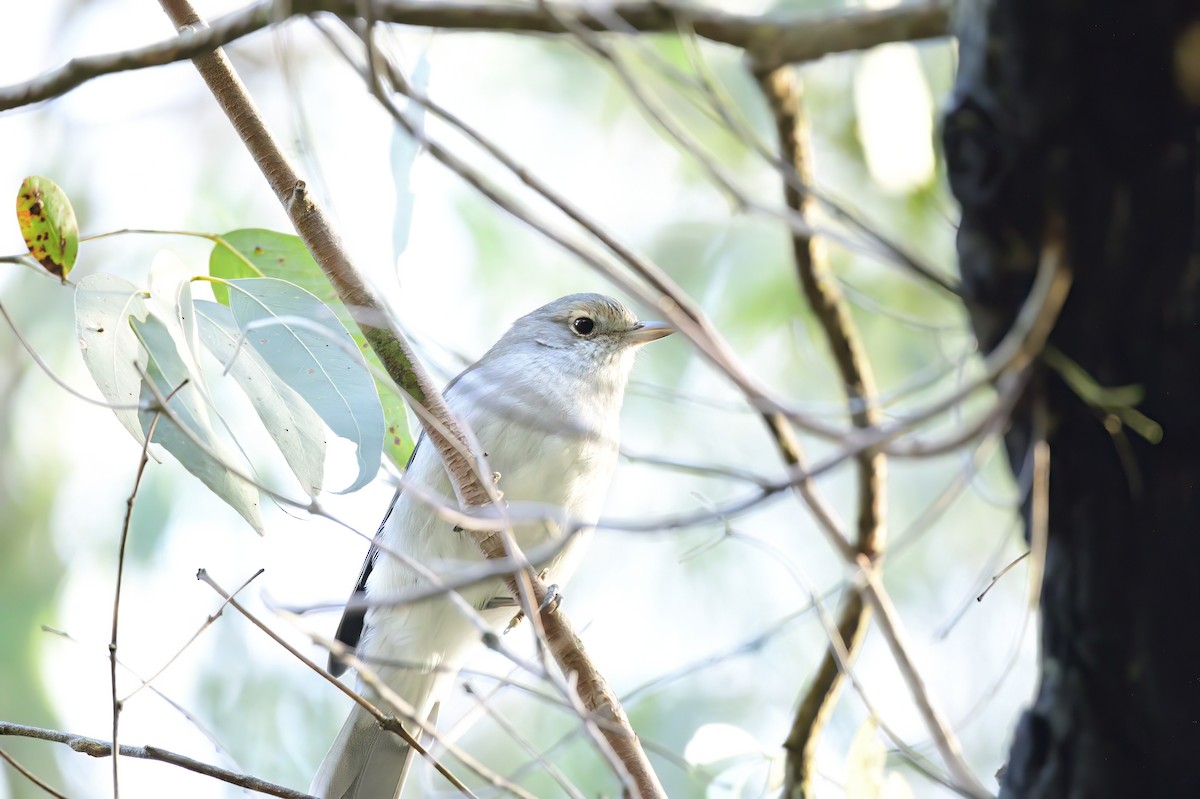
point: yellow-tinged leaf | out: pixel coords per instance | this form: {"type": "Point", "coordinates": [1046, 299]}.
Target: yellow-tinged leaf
{"type": "Point", "coordinates": [48, 225]}
{"type": "Point", "coordinates": [864, 764]}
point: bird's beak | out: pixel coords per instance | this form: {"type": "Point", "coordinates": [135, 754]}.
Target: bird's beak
{"type": "Point", "coordinates": [648, 331]}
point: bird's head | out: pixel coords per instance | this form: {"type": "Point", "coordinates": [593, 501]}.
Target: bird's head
{"type": "Point", "coordinates": [592, 331]}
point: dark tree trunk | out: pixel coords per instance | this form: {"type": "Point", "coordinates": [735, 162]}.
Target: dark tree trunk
{"type": "Point", "coordinates": [1078, 120]}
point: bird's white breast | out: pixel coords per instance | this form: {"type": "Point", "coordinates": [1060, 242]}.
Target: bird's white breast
{"type": "Point", "coordinates": [543, 457]}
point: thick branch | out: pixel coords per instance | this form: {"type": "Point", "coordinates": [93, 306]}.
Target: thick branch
{"type": "Point", "coordinates": [97, 748]}
{"type": "Point", "coordinates": [768, 39]}
{"type": "Point", "coordinates": [785, 98]}
{"type": "Point", "coordinates": [402, 365]}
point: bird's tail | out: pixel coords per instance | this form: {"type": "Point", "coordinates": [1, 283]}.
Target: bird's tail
{"type": "Point", "coordinates": [365, 761]}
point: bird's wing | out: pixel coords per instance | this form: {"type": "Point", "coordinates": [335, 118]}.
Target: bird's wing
{"type": "Point", "coordinates": [354, 617]}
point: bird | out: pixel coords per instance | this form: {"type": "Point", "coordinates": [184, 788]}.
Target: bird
{"type": "Point", "coordinates": [544, 405]}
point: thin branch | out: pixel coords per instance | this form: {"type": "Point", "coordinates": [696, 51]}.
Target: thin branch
{"type": "Point", "coordinates": [769, 39]}
{"type": "Point", "coordinates": [208, 622]}
{"type": "Point", "coordinates": [893, 631]}
{"type": "Point", "coordinates": [116, 612]}
{"type": "Point", "coordinates": [29, 775]}
{"type": "Point", "coordinates": [45, 367]}
{"type": "Point", "coordinates": [783, 93]}
{"type": "Point", "coordinates": [797, 220]}
{"type": "Point", "coordinates": [726, 110]}
{"type": "Point", "coordinates": [838, 649]}
{"type": "Point", "coordinates": [1021, 345]}
{"type": "Point", "coordinates": [514, 735]}
{"type": "Point", "coordinates": [97, 748]}
{"type": "Point", "coordinates": [996, 577]}
{"type": "Point", "coordinates": [372, 680]}
{"type": "Point", "coordinates": [1024, 342]}
{"type": "Point", "coordinates": [219, 747]}
{"type": "Point", "coordinates": [389, 723]}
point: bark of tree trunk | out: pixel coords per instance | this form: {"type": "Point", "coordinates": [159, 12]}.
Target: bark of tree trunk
{"type": "Point", "coordinates": [1080, 120]}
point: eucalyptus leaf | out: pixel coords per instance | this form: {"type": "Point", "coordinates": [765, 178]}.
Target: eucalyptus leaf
{"type": "Point", "coordinates": [103, 306]}
{"type": "Point", "coordinates": [290, 421]}
{"type": "Point", "coordinates": [253, 252]}
{"type": "Point", "coordinates": [266, 253]}
{"type": "Point", "coordinates": [48, 225]}
{"type": "Point", "coordinates": [303, 342]}
{"type": "Point", "coordinates": [168, 372]}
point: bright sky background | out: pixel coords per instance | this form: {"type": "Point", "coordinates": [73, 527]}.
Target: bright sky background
{"type": "Point", "coordinates": [148, 149]}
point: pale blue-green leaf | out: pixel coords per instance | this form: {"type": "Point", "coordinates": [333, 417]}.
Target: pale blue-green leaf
{"type": "Point", "coordinates": [307, 347]}
{"type": "Point", "coordinates": [294, 426]}
{"type": "Point", "coordinates": [167, 370]}
{"type": "Point", "coordinates": [404, 154]}
{"type": "Point", "coordinates": [103, 305]}
{"type": "Point", "coordinates": [284, 256]}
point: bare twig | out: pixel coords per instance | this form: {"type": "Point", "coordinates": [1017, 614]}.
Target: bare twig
{"type": "Point", "coordinates": [208, 622]}
{"type": "Point", "coordinates": [799, 222]}
{"type": "Point", "coordinates": [996, 577]}
{"type": "Point", "coordinates": [116, 613]}
{"type": "Point", "coordinates": [771, 39]}
{"type": "Point", "coordinates": [389, 723]}
{"type": "Point", "coordinates": [45, 367]}
{"type": "Point", "coordinates": [97, 748]}
{"type": "Point", "coordinates": [837, 647]}
{"type": "Point", "coordinates": [727, 112]}
{"type": "Point", "coordinates": [372, 680]}
{"type": "Point", "coordinates": [29, 775]}
{"type": "Point", "coordinates": [218, 746]}
{"type": "Point", "coordinates": [513, 734]}
{"type": "Point", "coordinates": [892, 629]}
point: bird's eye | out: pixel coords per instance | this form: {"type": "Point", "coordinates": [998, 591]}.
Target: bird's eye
{"type": "Point", "coordinates": [583, 325]}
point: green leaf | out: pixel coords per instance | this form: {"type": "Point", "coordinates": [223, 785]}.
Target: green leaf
{"type": "Point", "coordinates": [103, 306]}
{"type": "Point", "coordinates": [48, 225]}
{"type": "Point", "coordinates": [168, 372]}
{"type": "Point", "coordinates": [259, 253]}
{"type": "Point", "coordinates": [291, 422]}
{"type": "Point", "coordinates": [307, 347]}
{"type": "Point", "coordinates": [265, 253]}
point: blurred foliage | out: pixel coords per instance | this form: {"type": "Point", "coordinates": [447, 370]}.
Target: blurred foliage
{"type": "Point", "coordinates": [647, 606]}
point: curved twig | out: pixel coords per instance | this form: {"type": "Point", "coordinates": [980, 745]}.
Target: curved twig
{"type": "Point", "coordinates": [784, 96]}
{"type": "Point", "coordinates": [29, 775]}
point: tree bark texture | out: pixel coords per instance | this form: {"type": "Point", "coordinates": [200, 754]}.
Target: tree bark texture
{"type": "Point", "coordinates": [1077, 122]}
